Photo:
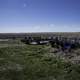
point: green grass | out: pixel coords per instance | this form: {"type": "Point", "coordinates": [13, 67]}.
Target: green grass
{"type": "Point", "coordinates": [30, 63]}
{"type": "Point", "coordinates": [11, 43]}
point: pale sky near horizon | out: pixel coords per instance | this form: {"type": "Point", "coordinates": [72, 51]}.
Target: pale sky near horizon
{"type": "Point", "coordinates": [39, 16]}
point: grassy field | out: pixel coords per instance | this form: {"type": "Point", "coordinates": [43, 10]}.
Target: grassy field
{"type": "Point", "coordinates": [34, 62]}
{"type": "Point", "coordinates": [10, 42]}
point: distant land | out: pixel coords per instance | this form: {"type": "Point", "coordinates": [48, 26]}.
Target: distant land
{"type": "Point", "coordinates": [37, 34]}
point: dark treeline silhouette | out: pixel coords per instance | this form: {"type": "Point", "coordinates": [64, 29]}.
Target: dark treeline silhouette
{"type": "Point", "coordinates": [56, 42]}
{"type": "Point", "coordinates": [40, 34]}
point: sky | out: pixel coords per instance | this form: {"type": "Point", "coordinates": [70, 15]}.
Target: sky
{"type": "Point", "coordinates": [39, 16]}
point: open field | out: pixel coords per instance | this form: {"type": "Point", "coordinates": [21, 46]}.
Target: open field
{"type": "Point", "coordinates": [10, 42]}
{"type": "Point", "coordinates": [35, 62]}
{"type": "Point", "coordinates": [19, 61]}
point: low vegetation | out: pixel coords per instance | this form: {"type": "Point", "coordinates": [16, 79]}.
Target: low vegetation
{"type": "Point", "coordinates": [10, 43]}
{"type": "Point", "coordinates": [33, 62]}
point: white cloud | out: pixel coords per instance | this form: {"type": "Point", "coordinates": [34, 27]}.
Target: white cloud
{"type": "Point", "coordinates": [36, 27]}
{"type": "Point", "coordinates": [52, 25]}
{"type": "Point", "coordinates": [41, 28]}
{"type": "Point", "coordinates": [24, 5]}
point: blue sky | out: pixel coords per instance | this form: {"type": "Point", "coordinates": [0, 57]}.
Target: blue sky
{"type": "Point", "coordinates": [39, 16]}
